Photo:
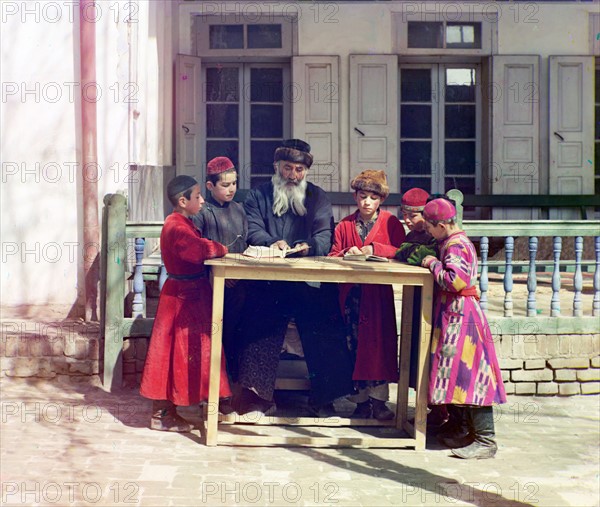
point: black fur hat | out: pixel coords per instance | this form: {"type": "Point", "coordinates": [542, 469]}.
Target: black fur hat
{"type": "Point", "coordinates": [294, 150]}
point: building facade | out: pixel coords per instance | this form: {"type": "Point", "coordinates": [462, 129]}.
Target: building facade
{"type": "Point", "coordinates": [486, 97]}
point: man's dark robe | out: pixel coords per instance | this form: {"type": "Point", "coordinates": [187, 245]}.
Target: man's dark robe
{"type": "Point", "coordinates": [271, 305]}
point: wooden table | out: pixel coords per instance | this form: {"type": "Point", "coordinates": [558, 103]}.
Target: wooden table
{"type": "Point", "coordinates": [330, 269]}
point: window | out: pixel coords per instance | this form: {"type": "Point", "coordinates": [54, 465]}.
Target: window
{"type": "Point", "coordinates": [239, 36]}
{"type": "Point", "coordinates": [246, 116]}
{"type": "Point", "coordinates": [422, 34]}
{"type": "Point", "coordinates": [440, 128]}
{"type": "Point", "coordinates": [445, 32]}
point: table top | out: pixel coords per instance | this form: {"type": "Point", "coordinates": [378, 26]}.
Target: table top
{"type": "Point", "coordinates": [333, 269]}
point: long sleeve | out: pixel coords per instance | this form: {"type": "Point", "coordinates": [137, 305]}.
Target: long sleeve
{"type": "Point", "coordinates": [322, 225]}
{"type": "Point", "coordinates": [396, 235]}
{"type": "Point", "coordinates": [341, 242]}
{"type": "Point", "coordinates": [257, 225]}
{"type": "Point", "coordinates": [453, 272]}
{"type": "Point", "coordinates": [194, 249]}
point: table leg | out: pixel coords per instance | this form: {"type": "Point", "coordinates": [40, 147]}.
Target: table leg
{"type": "Point", "coordinates": [423, 365]}
{"type": "Point", "coordinates": [212, 418]}
{"type": "Point", "coordinates": [406, 326]}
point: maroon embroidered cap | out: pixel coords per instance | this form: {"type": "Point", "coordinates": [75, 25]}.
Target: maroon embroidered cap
{"type": "Point", "coordinates": [219, 165]}
{"type": "Point", "coordinates": [414, 200]}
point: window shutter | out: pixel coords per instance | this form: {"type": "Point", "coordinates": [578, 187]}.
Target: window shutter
{"type": "Point", "coordinates": [515, 98]}
{"type": "Point", "coordinates": [571, 123]}
{"type": "Point", "coordinates": [374, 115]}
{"type": "Point", "coordinates": [188, 94]}
{"type": "Point", "coordinates": [315, 115]}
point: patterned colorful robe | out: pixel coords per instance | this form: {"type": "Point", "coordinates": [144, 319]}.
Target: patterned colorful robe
{"type": "Point", "coordinates": [377, 350]}
{"type": "Point", "coordinates": [464, 367]}
{"type": "Point", "coordinates": [178, 362]}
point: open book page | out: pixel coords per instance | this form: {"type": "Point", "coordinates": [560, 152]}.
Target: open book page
{"type": "Point", "coordinates": [270, 252]}
{"type": "Point", "coordinates": [365, 257]}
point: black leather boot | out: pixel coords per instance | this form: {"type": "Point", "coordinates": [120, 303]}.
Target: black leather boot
{"type": "Point", "coordinates": [455, 432]}
{"type": "Point", "coordinates": [481, 426]}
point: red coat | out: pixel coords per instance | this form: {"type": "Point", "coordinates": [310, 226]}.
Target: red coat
{"type": "Point", "coordinates": [178, 362]}
{"type": "Point", "coordinates": [377, 352]}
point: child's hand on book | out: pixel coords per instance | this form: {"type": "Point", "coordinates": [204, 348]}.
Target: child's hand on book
{"type": "Point", "coordinates": [353, 250]}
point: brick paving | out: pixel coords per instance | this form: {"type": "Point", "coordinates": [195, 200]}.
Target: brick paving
{"type": "Point", "coordinates": [77, 445]}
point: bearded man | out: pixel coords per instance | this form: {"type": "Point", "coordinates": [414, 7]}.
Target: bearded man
{"type": "Point", "coordinates": [287, 212]}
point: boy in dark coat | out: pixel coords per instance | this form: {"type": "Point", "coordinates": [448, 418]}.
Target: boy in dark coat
{"type": "Point", "coordinates": [224, 220]}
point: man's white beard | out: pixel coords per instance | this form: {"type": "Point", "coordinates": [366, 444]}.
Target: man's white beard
{"type": "Point", "coordinates": [288, 197]}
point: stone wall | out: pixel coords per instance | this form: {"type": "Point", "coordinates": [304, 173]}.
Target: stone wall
{"type": "Point", "coordinates": [545, 364]}
{"type": "Point", "coordinates": [541, 364]}
{"type": "Point", "coordinates": [66, 350]}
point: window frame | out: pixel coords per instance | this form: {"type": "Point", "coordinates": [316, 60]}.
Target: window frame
{"type": "Point", "coordinates": [244, 126]}
{"type": "Point", "coordinates": [438, 74]}
{"type": "Point", "coordinates": [201, 24]}
{"type": "Point", "coordinates": [489, 32]}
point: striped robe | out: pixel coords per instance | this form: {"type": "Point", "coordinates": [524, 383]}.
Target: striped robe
{"type": "Point", "coordinates": [464, 367]}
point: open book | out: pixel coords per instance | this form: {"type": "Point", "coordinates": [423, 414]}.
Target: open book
{"type": "Point", "coordinates": [270, 252]}
{"type": "Point", "coordinates": [365, 257]}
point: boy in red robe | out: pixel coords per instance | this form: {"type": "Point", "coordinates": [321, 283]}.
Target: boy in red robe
{"type": "Point", "coordinates": [369, 309]}
{"type": "Point", "coordinates": [178, 362]}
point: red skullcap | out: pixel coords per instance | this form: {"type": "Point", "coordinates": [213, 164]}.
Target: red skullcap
{"type": "Point", "coordinates": [219, 165]}
{"type": "Point", "coordinates": [414, 200]}
{"type": "Point", "coordinates": [439, 210]}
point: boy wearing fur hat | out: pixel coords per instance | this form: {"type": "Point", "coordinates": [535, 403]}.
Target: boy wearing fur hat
{"type": "Point", "coordinates": [177, 368]}
{"type": "Point", "coordinates": [224, 220]}
{"type": "Point", "coordinates": [369, 308]}
{"type": "Point", "coordinates": [464, 368]}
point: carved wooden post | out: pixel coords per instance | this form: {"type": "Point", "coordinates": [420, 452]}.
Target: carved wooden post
{"type": "Point", "coordinates": [531, 278]}
{"type": "Point", "coordinates": [509, 245]}
{"type": "Point", "coordinates": [483, 280]}
{"type": "Point", "coordinates": [596, 302]}
{"type": "Point", "coordinates": [578, 278]}
{"type": "Point", "coordinates": [138, 279]}
{"type": "Point", "coordinates": [116, 253]}
{"type": "Point", "coordinates": [555, 302]}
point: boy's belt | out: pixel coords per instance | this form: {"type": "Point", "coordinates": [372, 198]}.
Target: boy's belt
{"type": "Point", "coordinates": [195, 276]}
{"type": "Point", "coordinates": [469, 291]}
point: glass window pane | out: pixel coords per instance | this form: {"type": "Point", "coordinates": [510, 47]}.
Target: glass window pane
{"type": "Point", "coordinates": [597, 86]}
{"type": "Point", "coordinates": [415, 157]}
{"type": "Point", "coordinates": [415, 85]}
{"type": "Point", "coordinates": [465, 185]}
{"type": "Point", "coordinates": [415, 122]}
{"type": "Point", "coordinates": [222, 84]}
{"type": "Point", "coordinates": [227, 149]}
{"type": "Point", "coordinates": [425, 34]}
{"type": "Point", "coordinates": [459, 157]}
{"type": "Point", "coordinates": [411, 182]}
{"type": "Point", "coordinates": [460, 122]}
{"type": "Point", "coordinates": [597, 158]}
{"type": "Point", "coordinates": [463, 35]}
{"type": "Point", "coordinates": [597, 130]}
{"type": "Point", "coordinates": [264, 36]}
{"type": "Point", "coordinates": [222, 120]}
{"type": "Point", "coordinates": [266, 85]}
{"type": "Point", "coordinates": [226, 36]}
{"type": "Point", "coordinates": [460, 85]}
{"type": "Point", "coordinates": [266, 121]}
{"type": "Point", "coordinates": [261, 153]}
